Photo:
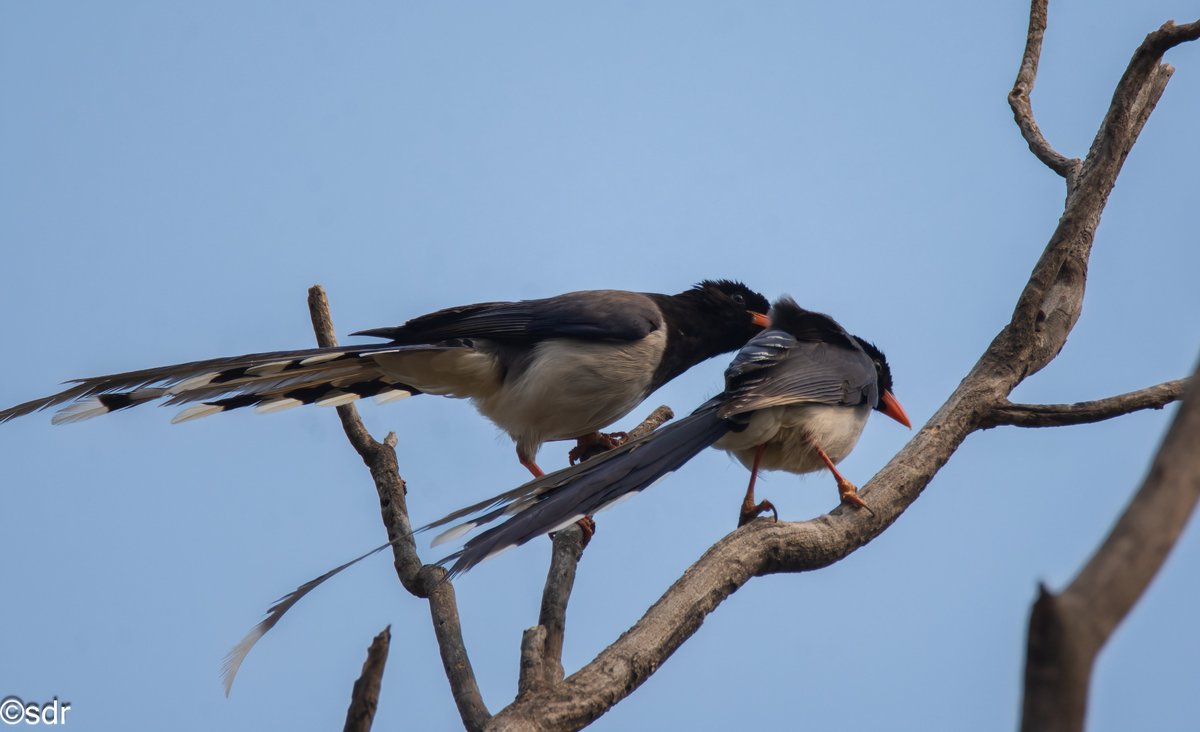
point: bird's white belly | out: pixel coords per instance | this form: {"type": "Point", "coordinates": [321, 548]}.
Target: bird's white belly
{"type": "Point", "coordinates": [572, 388]}
{"type": "Point", "coordinates": [788, 434]}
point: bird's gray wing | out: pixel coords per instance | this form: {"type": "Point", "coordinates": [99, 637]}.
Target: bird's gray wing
{"type": "Point", "coordinates": [775, 369]}
{"type": "Point", "coordinates": [606, 315]}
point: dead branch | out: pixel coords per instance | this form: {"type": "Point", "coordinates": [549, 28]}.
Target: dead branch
{"type": "Point", "coordinates": [1063, 415]}
{"type": "Point", "coordinates": [364, 699]}
{"type": "Point", "coordinates": [541, 645]}
{"type": "Point", "coordinates": [422, 581]}
{"type": "Point", "coordinates": [1022, 108]}
{"type": "Point", "coordinates": [1067, 630]}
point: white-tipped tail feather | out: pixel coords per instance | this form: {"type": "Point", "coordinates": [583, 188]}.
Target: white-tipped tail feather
{"type": "Point", "coordinates": [277, 405]}
{"type": "Point", "coordinates": [320, 358]}
{"type": "Point", "coordinates": [557, 527]}
{"type": "Point", "coordinates": [194, 383]}
{"type": "Point", "coordinates": [453, 533]}
{"type": "Point", "coordinates": [196, 412]}
{"type": "Point", "coordinates": [268, 369]}
{"type": "Point", "coordinates": [621, 499]}
{"type": "Point", "coordinates": [336, 399]}
{"type": "Point", "coordinates": [79, 411]}
{"type": "Point", "coordinates": [392, 395]}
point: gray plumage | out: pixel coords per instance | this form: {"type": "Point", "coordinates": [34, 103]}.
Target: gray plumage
{"type": "Point", "coordinates": [549, 369]}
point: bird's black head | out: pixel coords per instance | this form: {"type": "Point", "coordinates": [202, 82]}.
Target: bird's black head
{"type": "Point", "coordinates": [887, 401]}
{"type": "Point", "coordinates": [714, 317]}
{"type": "Point", "coordinates": [730, 309]}
{"type": "Point", "coordinates": [881, 364]}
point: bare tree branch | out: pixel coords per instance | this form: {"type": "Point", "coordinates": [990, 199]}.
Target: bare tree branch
{"type": "Point", "coordinates": [1063, 415]}
{"type": "Point", "coordinates": [1046, 311]}
{"type": "Point", "coordinates": [364, 699]}
{"type": "Point", "coordinates": [1022, 108]}
{"type": "Point", "coordinates": [541, 645]}
{"type": "Point", "coordinates": [422, 581]}
{"type": "Point", "coordinates": [1067, 631]}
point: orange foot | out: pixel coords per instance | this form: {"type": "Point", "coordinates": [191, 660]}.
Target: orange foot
{"type": "Point", "coordinates": [849, 495]}
{"type": "Point", "coordinates": [751, 510]}
{"type": "Point", "coordinates": [594, 444]}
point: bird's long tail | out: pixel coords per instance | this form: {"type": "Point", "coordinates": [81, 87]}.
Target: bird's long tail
{"type": "Point", "coordinates": [560, 498]}
{"type": "Point", "coordinates": [267, 381]}
{"type": "Point", "coordinates": [537, 507]}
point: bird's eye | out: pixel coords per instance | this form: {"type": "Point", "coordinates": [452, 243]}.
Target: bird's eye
{"type": "Point", "coordinates": [737, 298]}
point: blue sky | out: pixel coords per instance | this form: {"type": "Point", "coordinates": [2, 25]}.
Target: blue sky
{"type": "Point", "coordinates": [172, 179]}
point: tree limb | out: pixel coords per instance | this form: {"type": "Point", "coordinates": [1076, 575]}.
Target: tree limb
{"type": "Point", "coordinates": [1063, 415]}
{"type": "Point", "coordinates": [1046, 311]}
{"type": "Point", "coordinates": [1022, 108]}
{"type": "Point", "coordinates": [1067, 630]}
{"type": "Point", "coordinates": [422, 581]}
{"type": "Point", "coordinates": [541, 645]}
{"type": "Point", "coordinates": [364, 699]}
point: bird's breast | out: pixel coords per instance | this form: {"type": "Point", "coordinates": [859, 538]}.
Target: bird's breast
{"type": "Point", "coordinates": [788, 434]}
{"type": "Point", "coordinates": [568, 388]}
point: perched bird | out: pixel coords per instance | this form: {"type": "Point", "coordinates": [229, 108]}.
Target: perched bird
{"type": "Point", "coordinates": [796, 398]}
{"type": "Point", "coordinates": [551, 369]}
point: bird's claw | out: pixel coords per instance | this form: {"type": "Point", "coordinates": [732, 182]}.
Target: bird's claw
{"type": "Point", "coordinates": [751, 511]}
{"type": "Point", "coordinates": [587, 525]}
{"type": "Point", "coordinates": [850, 497]}
{"type": "Point", "coordinates": [594, 444]}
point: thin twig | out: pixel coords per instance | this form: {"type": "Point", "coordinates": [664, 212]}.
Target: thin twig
{"type": "Point", "coordinates": [1063, 415]}
{"type": "Point", "coordinates": [422, 581]}
{"type": "Point", "coordinates": [364, 700]}
{"type": "Point", "coordinates": [1068, 630]}
{"type": "Point", "coordinates": [541, 645]}
{"type": "Point", "coordinates": [1022, 108]}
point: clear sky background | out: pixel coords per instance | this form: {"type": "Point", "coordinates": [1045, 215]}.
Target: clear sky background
{"type": "Point", "coordinates": [172, 179]}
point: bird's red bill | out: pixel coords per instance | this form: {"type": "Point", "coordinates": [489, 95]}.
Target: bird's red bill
{"type": "Point", "coordinates": [760, 320]}
{"type": "Point", "coordinates": [889, 406]}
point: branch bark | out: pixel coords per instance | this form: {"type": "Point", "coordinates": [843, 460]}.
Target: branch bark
{"type": "Point", "coordinates": [1047, 310]}
{"type": "Point", "coordinates": [1063, 415]}
{"type": "Point", "coordinates": [541, 645]}
{"type": "Point", "coordinates": [1068, 630]}
{"type": "Point", "coordinates": [424, 581]}
{"type": "Point", "coordinates": [364, 699]}
{"type": "Point", "coordinates": [1021, 105]}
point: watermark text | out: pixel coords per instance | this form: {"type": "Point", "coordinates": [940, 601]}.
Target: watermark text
{"type": "Point", "coordinates": [15, 711]}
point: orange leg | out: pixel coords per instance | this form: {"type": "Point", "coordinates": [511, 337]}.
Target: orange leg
{"type": "Point", "coordinates": [530, 464]}
{"type": "Point", "coordinates": [750, 509]}
{"type": "Point", "coordinates": [846, 489]}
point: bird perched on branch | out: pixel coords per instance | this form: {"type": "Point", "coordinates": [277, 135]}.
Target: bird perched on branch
{"type": "Point", "coordinates": [796, 398]}
{"type": "Point", "coordinates": [550, 369]}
